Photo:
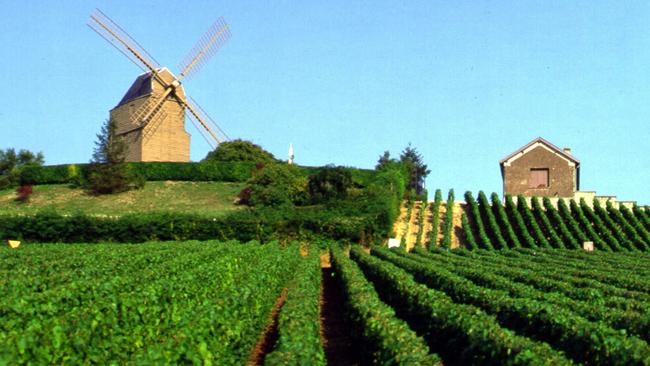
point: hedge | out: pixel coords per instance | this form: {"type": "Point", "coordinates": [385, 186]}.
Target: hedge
{"type": "Point", "coordinates": [151, 171]}
{"type": "Point", "coordinates": [220, 171]}
{"type": "Point", "coordinates": [49, 226]}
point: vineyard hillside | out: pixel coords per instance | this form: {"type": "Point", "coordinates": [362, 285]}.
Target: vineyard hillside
{"type": "Point", "coordinates": [493, 223]}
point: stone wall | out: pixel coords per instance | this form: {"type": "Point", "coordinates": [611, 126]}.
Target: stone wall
{"type": "Point", "coordinates": [562, 174]}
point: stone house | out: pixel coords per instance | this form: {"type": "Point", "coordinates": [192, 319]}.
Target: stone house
{"type": "Point", "coordinates": [540, 168]}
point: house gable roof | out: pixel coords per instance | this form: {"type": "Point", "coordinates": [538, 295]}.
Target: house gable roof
{"type": "Point", "coordinates": [538, 141]}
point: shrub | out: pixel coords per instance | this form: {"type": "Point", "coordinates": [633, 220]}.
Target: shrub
{"type": "Point", "coordinates": [23, 193]}
{"type": "Point", "coordinates": [329, 183]}
{"type": "Point", "coordinates": [277, 185]}
{"type": "Point", "coordinates": [240, 150]}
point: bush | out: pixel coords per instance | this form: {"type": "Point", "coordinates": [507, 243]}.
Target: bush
{"type": "Point", "coordinates": [330, 183]}
{"type": "Point", "coordinates": [240, 150]}
{"type": "Point", "coordinates": [23, 193]}
{"type": "Point", "coordinates": [277, 185]}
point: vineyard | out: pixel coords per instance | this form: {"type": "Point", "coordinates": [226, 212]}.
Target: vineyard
{"type": "Point", "coordinates": [232, 303]}
{"type": "Point", "coordinates": [492, 224]}
{"type": "Point", "coordinates": [516, 289]}
{"type": "Point", "coordinates": [514, 307]}
{"type": "Point", "coordinates": [157, 303]}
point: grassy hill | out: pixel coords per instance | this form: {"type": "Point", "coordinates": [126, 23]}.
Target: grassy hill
{"type": "Point", "coordinates": [209, 198]}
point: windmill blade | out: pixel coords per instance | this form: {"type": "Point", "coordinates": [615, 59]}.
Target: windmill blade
{"type": "Point", "coordinates": [205, 48]}
{"type": "Point", "coordinates": [123, 42]}
{"type": "Point", "coordinates": [209, 129]}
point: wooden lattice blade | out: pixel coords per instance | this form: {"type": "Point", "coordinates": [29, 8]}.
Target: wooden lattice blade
{"type": "Point", "coordinates": [205, 48]}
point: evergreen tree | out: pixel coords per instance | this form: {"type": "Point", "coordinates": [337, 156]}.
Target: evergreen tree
{"type": "Point", "coordinates": [108, 172]}
{"type": "Point", "coordinates": [417, 170]}
{"type": "Point", "coordinates": [384, 161]}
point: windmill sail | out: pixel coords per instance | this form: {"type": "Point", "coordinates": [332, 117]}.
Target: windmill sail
{"type": "Point", "coordinates": [151, 115]}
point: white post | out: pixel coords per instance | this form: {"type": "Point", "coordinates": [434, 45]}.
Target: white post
{"type": "Point", "coordinates": [290, 153]}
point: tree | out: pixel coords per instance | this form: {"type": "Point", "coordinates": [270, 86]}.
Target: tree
{"type": "Point", "coordinates": [108, 172]}
{"type": "Point", "coordinates": [240, 150]}
{"type": "Point", "coordinates": [417, 170]}
{"type": "Point", "coordinates": [384, 161]}
{"type": "Point", "coordinates": [329, 183]}
{"type": "Point", "coordinates": [11, 163]}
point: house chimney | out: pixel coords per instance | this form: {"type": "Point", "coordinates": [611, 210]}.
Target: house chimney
{"type": "Point", "coordinates": [567, 150]}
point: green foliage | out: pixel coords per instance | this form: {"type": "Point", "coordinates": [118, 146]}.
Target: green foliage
{"type": "Point", "coordinates": [573, 225]}
{"type": "Point", "coordinates": [435, 218]}
{"type": "Point", "coordinates": [628, 229]}
{"type": "Point", "coordinates": [151, 171]}
{"type": "Point", "coordinates": [385, 337]}
{"type": "Point", "coordinates": [504, 222]}
{"type": "Point", "coordinates": [600, 224]}
{"type": "Point", "coordinates": [417, 170]}
{"type": "Point", "coordinates": [107, 172]}
{"type": "Point", "coordinates": [568, 238]}
{"type": "Point", "coordinates": [443, 322]}
{"type": "Point", "coordinates": [150, 304]}
{"type": "Point", "coordinates": [636, 223]}
{"type": "Point", "coordinates": [448, 224]}
{"type": "Point", "coordinates": [299, 341]}
{"type": "Point", "coordinates": [240, 150]}
{"type": "Point", "coordinates": [553, 287]}
{"type": "Point", "coordinates": [12, 164]}
{"type": "Point", "coordinates": [586, 225]}
{"type": "Point", "coordinates": [329, 183]}
{"type": "Point", "coordinates": [488, 216]}
{"type": "Point", "coordinates": [519, 223]}
{"type": "Point", "coordinates": [531, 223]}
{"type": "Point", "coordinates": [545, 224]}
{"type": "Point", "coordinates": [484, 241]}
{"type": "Point", "coordinates": [421, 218]}
{"type": "Point", "coordinates": [277, 185]}
{"type": "Point", "coordinates": [583, 340]}
{"type": "Point", "coordinates": [467, 231]}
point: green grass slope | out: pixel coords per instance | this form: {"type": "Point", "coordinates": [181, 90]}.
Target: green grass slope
{"type": "Point", "coordinates": [209, 198]}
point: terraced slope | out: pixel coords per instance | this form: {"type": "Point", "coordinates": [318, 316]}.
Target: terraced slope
{"type": "Point", "coordinates": [515, 223]}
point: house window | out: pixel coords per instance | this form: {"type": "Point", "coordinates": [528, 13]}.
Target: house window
{"type": "Point", "coordinates": [538, 178]}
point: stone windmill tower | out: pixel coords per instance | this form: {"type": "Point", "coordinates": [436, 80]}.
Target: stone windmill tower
{"type": "Point", "coordinates": [151, 115]}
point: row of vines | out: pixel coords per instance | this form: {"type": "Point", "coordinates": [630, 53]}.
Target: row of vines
{"type": "Point", "coordinates": [518, 307]}
{"type": "Point", "coordinates": [157, 303]}
{"type": "Point", "coordinates": [491, 224]}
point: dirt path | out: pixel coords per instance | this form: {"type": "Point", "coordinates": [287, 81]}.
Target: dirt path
{"type": "Point", "coordinates": [397, 227]}
{"type": "Point", "coordinates": [457, 227]}
{"type": "Point", "coordinates": [428, 225]}
{"type": "Point", "coordinates": [413, 226]}
{"type": "Point", "coordinates": [339, 347]}
{"type": "Point", "coordinates": [270, 336]}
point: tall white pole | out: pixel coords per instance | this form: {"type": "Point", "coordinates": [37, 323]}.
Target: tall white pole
{"type": "Point", "coordinates": [290, 153]}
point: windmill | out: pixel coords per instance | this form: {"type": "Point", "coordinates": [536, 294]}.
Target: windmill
{"type": "Point", "coordinates": [151, 116]}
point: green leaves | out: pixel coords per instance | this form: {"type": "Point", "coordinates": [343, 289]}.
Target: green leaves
{"type": "Point", "coordinates": [164, 303]}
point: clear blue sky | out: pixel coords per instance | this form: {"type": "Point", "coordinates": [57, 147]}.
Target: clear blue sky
{"type": "Point", "coordinates": [466, 82]}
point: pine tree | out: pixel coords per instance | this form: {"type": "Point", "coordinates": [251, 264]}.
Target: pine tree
{"type": "Point", "coordinates": [418, 171]}
{"type": "Point", "coordinates": [108, 172]}
{"type": "Point", "coordinates": [384, 161]}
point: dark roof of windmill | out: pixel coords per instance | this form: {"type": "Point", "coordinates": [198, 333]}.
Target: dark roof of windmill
{"type": "Point", "coordinates": [141, 86]}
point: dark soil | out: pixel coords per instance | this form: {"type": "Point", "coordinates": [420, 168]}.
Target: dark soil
{"type": "Point", "coordinates": [336, 333]}
{"type": "Point", "coordinates": [269, 337]}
